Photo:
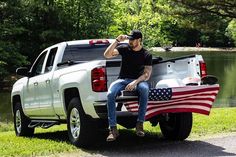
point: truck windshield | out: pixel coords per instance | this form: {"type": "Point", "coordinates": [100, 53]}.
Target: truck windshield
{"type": "Point", "coordinates": [84, 52]}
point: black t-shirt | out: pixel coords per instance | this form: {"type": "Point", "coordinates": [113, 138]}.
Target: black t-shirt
{"type": "Point", "coordinates": [133, 62]}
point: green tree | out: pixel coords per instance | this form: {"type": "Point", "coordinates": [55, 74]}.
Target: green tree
{"type": "Point", "coordinates": [137, 14]}
{"type": "Point", "coordinates": [49, 22]}
{"type": "Point", "coordinates": [201, 16]}
{"type": "Point", "coordinates": [29, 26]}
{"type": "Point", "coordinates": [223, 8]}
{"type": "Point", "coordinates": [87, 18]}
{"type": "Point", "coordinates": [10, 37]}
{"type": "Point", "coordinates": [45, 25]}
{"type": "Point", "coordinates": [10, 59]}
{"type": "Point", "coordinates": [231, 30]}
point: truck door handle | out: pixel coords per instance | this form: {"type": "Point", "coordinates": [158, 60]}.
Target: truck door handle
{"type": "Point", "coordinates": [35, 83]}
{"type": "Point", "coordinates": [47, 81]}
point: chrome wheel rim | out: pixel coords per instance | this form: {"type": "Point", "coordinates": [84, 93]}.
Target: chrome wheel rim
{"type": "Point", "coordinates": [75, 123]}
{"type": "Point", "coordinates": [18, 121]}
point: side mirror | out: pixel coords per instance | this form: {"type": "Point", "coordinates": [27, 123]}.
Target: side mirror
{"type": "Point", "coordinates": [23, 71]}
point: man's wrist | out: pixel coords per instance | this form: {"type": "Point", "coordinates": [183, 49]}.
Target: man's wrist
{"type": "Point", "coordinates": [136, 82]}
{"type": "Point", "coordinates": [117, 40]}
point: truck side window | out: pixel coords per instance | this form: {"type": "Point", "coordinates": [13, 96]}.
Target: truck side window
{"type": "Point", "coordinates": [50, 59]}
{"type": "Point", "coordinates": [37, 67]}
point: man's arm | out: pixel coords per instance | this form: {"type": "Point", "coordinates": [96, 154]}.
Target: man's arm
{"type": "Point", "coordinates": [144, 77]}
{"type": "Point", "coordinates": [111, 51]}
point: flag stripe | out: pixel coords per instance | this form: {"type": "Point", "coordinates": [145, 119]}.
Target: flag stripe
{"type": "Point", "coordinates": [193, 91]}
{"type": "Point", "coordinates": [212, 98]}
{"type": "Point", "coordinates": [149, 108]}
{"type": "Point", "coordinates": [195, 88]}
{"type": "Point", "coordinates": [173, 104]}
{"type": "Point", "coordinates": [179, 106]}
{"type": "Point", "coordinates": [194, 94]}
{"type": "Point", "coordinates": [178, 110]}
{"type": "Point", "coordinates": [198, 106]}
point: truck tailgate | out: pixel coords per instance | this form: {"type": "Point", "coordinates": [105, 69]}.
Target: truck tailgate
{"type": "Point", "coordinates": [197, 99]}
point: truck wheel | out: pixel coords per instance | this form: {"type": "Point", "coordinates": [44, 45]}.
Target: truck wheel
{"type": "Point", "coordinates": [177, 126]}
{"type": "Point", "coordinates": [79, 127]}
{"type": "Point", "coordinates": [21, 122]}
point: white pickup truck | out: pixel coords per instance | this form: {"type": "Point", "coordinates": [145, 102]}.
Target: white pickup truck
{"type": "Point", "coordinates": [68, 83]}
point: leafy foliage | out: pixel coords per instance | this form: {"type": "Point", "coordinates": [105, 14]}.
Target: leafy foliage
{"type": "Point", "coordinates": [231, 30]}
{"type": "Point", "coordinates": [29, 26]}
{"type": "Point", "coordinates": [226, 8]}
{"type": "Point", "coordinates": [10, 38]}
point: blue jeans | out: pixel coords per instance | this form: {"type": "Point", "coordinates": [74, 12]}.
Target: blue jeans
{"type": "Point", "coordinates": [115, 88]}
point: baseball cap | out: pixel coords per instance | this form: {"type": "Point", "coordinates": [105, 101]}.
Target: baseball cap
{"type": "Point", "coordinates": [135, 34]}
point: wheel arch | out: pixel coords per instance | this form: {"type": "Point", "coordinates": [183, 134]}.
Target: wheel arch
{"type": "Point", "coordinates": [15, 99]}
{"type": "Point", "coordinates": [69, 94]}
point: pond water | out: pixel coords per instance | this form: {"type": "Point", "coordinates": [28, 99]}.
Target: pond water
{"type": "Point", "coordinates": [220, 64]}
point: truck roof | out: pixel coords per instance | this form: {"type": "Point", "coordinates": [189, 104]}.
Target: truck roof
{"type": "Point", "coordinates": [87, 41]}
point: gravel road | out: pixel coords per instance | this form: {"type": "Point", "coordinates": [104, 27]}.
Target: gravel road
{"type": "Point", "coordinates": [128, 145]}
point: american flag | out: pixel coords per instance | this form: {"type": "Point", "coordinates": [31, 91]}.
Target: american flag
{"type": "Point", "coordinates": [197, 99]}
{"type": "Point", "coordinates": [160, 94]}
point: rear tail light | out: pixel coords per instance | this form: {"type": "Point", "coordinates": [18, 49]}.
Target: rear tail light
{"type": "Point", "coordinates": [99, 41]}
{"type": "Point", "coordinates": [203, 68]}
{"type": "Point", "coordinates": [99, 79]}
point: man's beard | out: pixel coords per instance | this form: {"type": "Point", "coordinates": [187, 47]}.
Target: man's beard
{"type": "Point", "coordinates": [133, 46]}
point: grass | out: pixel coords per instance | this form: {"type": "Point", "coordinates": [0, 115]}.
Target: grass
{"type": "Point", "coordinates": [45, 142]}
{"type": "Point", "coordinates": [55, 139]}
{"type": "Point", "coordinates": [18, 146]}
{"type": "Point", "coordinates": [6, 126]}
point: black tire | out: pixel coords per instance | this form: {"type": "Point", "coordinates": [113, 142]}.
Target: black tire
{"type": "Point", "coordinates": [21, 122]}
{"type": "Point", "coordinates": [176, 126]}
{"type": "Point", "coordinates": [83, 136]}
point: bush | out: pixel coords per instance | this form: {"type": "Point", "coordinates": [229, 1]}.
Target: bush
{"type": "Point", "coordinates": [231, 31]}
